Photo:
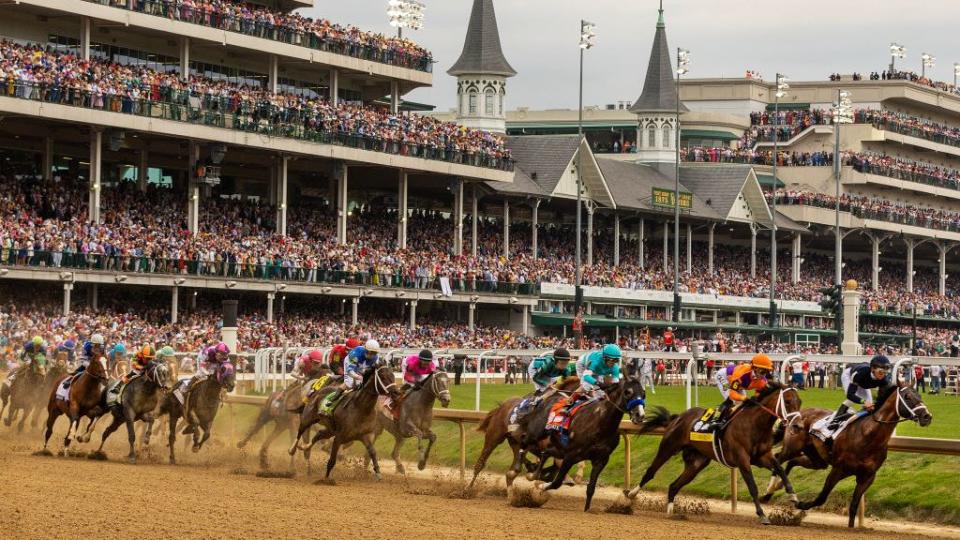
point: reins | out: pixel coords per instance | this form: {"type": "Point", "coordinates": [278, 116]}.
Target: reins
{"type": "Point", "coordinates": [896, 410]}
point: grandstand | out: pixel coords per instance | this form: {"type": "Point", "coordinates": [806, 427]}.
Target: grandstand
{"type": "Point", "coordinates": [242, 150]}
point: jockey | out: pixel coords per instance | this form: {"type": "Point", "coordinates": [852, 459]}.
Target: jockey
{"type": "Point", "coordinates": [32, 355]}
{"type": "Point", "coordinates": [208, 362]}
{"type": "Point", "coordinates": [92, 350]}
{"type": "Point", "coordinates": [141, 360]}
{"type": "Point", "coordinates": [857, 381]}
{"type": "Point", "coordinates": [357, 362]}
{"type": "Point", "coordinates": [752, 376]}
{"type": "Point", "coordinates": [69, 346]}
{"type": "Point", "coordinates": [598, 365]}
{"type": "Point", "coordinates": [116, 355]}
{"type": "Point", "coordinates": [722, 379]}
{"type": "Point", "coordinates": [308, 366]}
{"type": "Point", "coordinates": [416, 369]}
{"type": "Point", "coordinates": [547, 369]}
{"type": "Point", "coordinates": [339, 353]}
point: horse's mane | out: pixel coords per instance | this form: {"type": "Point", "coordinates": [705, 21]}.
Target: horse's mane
{"type": "Point", "coordinates": [883, 394]}
{"type": "Point", "coordinates": [772, 386]}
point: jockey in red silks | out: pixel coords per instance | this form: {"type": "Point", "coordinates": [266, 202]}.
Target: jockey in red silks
{"type": "Point", "coordinates": [308, 366]}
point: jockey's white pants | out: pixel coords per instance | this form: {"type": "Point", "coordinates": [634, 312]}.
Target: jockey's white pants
{"type": "Point", "coordinates": [863, 393]}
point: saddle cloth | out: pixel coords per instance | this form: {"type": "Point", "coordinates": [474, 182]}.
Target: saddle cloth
{"type": "Point", "coordinates": [705, 426]}
{"type": "Point", "coordinates": [114, 391]}
{"type": "Point", "coordinates": [179, 388]}
{"type": "Point", "coordinates": [63, 389]}
{"type": "Point", "coordinates": [821, 428]}
{"type": "Point", "coordinates": [561, 417]}
{"type": "Point", "coordinates": [328, 406]}
{"type": "Point", "coordinates": [314, 386]}
{"type": "Point", "coordinates": [519, 410]}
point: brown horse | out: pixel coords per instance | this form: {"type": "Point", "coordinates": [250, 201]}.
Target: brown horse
{"type": "Point", "coordinates": [416, 418]}
{"type": "Point", "coordinates": [596, 433]}
{"type": "Point", "coordinates": [354, 418]}
{"type": "Point", "coordinates": [859, 450]}
{"type": "Point", "coordinates": [747, 440]}
{"type": "Point", "coordinates": [283, 409]}
{"type": "Point", "coordinates": [26, 394]}
{"type": "Point", "coordinates": [86, 399]}
{"type": "Point", "coordinates": [204, 401]}
{"type": "Point", "coordinates": [495, 427]}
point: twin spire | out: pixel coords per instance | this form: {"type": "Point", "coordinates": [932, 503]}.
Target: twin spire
{"type": "Point", "coordinates": [482, 54]}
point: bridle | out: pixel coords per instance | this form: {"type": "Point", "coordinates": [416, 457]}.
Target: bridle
{"type": "Point", "coordinates": [435, 388]}
{"type": "Point", "coordinates": [781, 407]}
{"type": "Point", "coordinates": [896, 410]}
{"type": "Point", "coordinates": [380, 385]}
{"type": "Point", "coordinates": [630, 404]}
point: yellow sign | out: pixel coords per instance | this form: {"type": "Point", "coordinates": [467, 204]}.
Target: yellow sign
{"type": "Point", "coordinates": [664, 198]}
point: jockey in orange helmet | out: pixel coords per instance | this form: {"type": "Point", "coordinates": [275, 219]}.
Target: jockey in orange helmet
{"type": "Point", "coordinates": [746, 377]}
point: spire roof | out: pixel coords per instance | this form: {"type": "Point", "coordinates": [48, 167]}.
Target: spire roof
{"type": "Point", "coordinates": [659, 87]}
{"type": "Point", "coordinates": [482, 54]}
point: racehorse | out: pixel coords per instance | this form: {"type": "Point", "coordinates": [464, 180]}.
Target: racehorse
{"type": "Point", "coordinates": [138, 400]}
{"type": "Point", "coordinates": [859, 450]}
{"type": "Point", "coordinates": [22, 394]}
{"type": "Point", "coordinates": [85, 399]}
{"type": "Point", "coordinates": [596, 433]}
{"type": "Point", "coordinates": [36, 393]}
{"type": "Point", "coordinates": [204, 400]}
{"type": "Point", "coordinates": [354, 418]}
{"type": "Point", "coordinates": [415, 419]}
{"type": "Point", "coordinates": [747, 440]}
{"type": "Point", "coordinates": [495, 427]}
{"type": "Point", "coordinates": [283, 409]}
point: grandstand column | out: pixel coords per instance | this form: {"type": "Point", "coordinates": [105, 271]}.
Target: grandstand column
{"type": "Point", "coordinates": [413, 315]}
{"type": "Point", "coordinates": [402, 210]}
{"type": "Point", "coordinates": [67, 287]}
{"type": "Point", "coordinates": [94, 297]}
{"type": "Point", "coordinates": [96, 153]}
{"type": "Point", "coordinates": [85, 37]}
{"type": "Point", "coordinates": [143, 170]}
{"type": "Point", "coordinates": [185, 58]}
{"type": "Point", "coordinates": [590, 210]}
{"type": "Point", "coordinates": [272, 185]}
{"type": "Point", "coordinates": [506, 228]}
{"type": "Point", "coordinates": [666, 246]}
{"type": "Point", "coordinates": [710, 248]}
{"type": "Point", "coordinates": [270, 297]}
{"type": "Point", "coordinates": [274, 73]}
{"type": "Point", "coordinates": [193, 192]}
{"type": "Point", "coordinates": [689, 248]}
{"type": "Point", "coordinates": [641, 256]}
{"type": "Point", "coordinates": [795, 277]}
{"type": "Point", "coordinates": [283, 165]}
{"type": "Point", "coordinates": [341, 173]}
{"type": "Point", "coordinates": [334, 87]}
{"type": "Point", "coordinates": [475, 218]}
{"type": "Point", "coordinates": [174, 300]}
{"type": "Point", "coordinates": [526, 320]}
{"type": "Point", "coordinates": [911, 244]}
{"type": "Point", "coordinates": [753, 250]}
{"type": "Point", "coordinates": [457, 217]}
{"type": "Point", "coordinates": [356, 309]}
{"type": "Point", "coordinates": [943, 249]}
{"type": "Point", "coordinates": [875, 262]}
{"type": "Point", "coordinates": [48, 158]}
{"type": "Point", "coordinates": [470, 315]}
{"type": "Point", "coordinates": [616, 239]}
{"type": "Point", "coordinates": [535, 210]}
{"type": "Point", "coordinates": [394, 96]}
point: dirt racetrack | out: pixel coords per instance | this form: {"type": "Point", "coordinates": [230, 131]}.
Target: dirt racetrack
{"type": "Point", "coordinates": [216, 495]}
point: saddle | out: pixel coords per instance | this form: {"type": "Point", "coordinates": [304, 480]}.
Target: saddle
{"type": "Point", "coordinates": [114, 392]}
{"type": "Point", "coordinates": [329, 405]}
{"type": "Point", "coordinates": [821, 428]}
{"type": "Point", "coordinates": [179, 389]}
{"type": "Point", "coordinates": [562, 414]}
{"type": "Point", "coordinates": [63, 389]}
{"type": "Point", "coordinates": [314, 386]}
{"type": "Point", "coordinates": [520, 410]}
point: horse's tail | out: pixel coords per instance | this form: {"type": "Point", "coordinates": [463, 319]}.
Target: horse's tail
{"type": "Point", "coordinates": [779, 433]}
{"type": "Point", "coordinates": [485, 423]}
{"type": "Point", "coordinates": [657, 417]}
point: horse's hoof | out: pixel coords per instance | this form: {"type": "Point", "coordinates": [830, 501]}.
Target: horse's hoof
{"type": "Point", "coordinates": [764, 520]}
{"type": "Point", "coordinates": [173, 461]}
{"type": "Point", "coordinates": [133, 460]}
{"type": "Point", "coordinates": [241, 444]}
{"type": "Point", "coordinates": [7, 422]}
{"type": "Point", "coordinates": [97, 455]}
{"type": "Point", "coordinates": [670, 508]}
{"type": "Point", "coordinates": [378, 476]}
{"type": "Point", "coordinates": [196, 448]}
{"type": "Point", "coordinates": [794, 499]}
{"type": "Point", "coordinates": [766, 498]}
{"type": "Point", "coordinates": [422, 465]}
{"type": "Point", "coordinates": [402, 470]}
{"type": "Point", "coordinates": [530, 477]}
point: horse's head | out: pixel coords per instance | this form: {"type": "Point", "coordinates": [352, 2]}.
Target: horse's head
{"type": "Point", "coordinates": [160, 374]}
{"type": "Point", "coordinates": [634, 399]}
{"type": "Point", "coordinates": [781, 401]}
{"type": "Point", "coordinates": [440, 386]}
{"type": "Point", "coordinates": [382, 381]}
{"type": "Point", "coordinates": [227, 376]}
{"type": "Point", "coordinates": [909, 404]}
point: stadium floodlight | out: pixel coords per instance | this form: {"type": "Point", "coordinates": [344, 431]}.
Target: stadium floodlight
{"type": "Point", "coordinates": [683, 67]}
{"type": "Point", "coordinates": [927, 61]}
{"type": "Point", "coordinates": [842, 114]}
{"type": "Point", "coordinates": [956, 71]}
{"type": "Point", "coordinates": [405, 14]}
{"type": "Point", "coordinates": [683, 61]}
{"type": "Point", "coordinates": [781, 91]}
{"type": "Point", "coordinates": [587, 34]}
{"type": "Point", "coordinates": [782, 85]}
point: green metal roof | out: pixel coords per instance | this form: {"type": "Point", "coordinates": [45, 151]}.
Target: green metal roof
{"type": "Point", "coordinates": [767, 180]}
{"type": "Point", "coordinates": [788, 106]}
{"type": "Point", "coordinates": [708, 134]}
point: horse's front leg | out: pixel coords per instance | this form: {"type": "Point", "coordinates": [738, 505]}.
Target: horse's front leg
{"type": "Point", "coordinates": [128, 418]}
{"type": "Point", "coordinates": [431, 439]}
{"type": "Point", "coordinates": [372, 452]}
{"type": "Point", "coordinates": [397, 444]}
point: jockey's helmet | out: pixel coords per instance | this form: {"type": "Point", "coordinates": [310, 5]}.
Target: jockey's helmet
{"type": "Point", "coordinates": [147, 352]}
{"type": "Point", "coordinates": [315, 356]}
{"type": "Point", "coordinates": [879, 365]}
{"type": "Point", "coordinates": [120, 349]}
{"type": "Point", "coordinates": [221, 348]}
{"type": "Point", "coordinates": [166, 351]}
{"type": "Point", "coordinates": [372, 346]}
{"type": "Point", "coordinates": [69, 345]}
{"type": "Point", "coordinates": [353, 343]}
{"type": "Point", "coordinates": [425, 356]}
{"type": "Point", "coordinates": [761, 361]}
{"type": "Point", "coordinates": [611, 352]}
{"type": "Point", "coordinates": [97, 339]}
{"type": "Point", "coordinates": [561, 355]}
{"type": "Point", "coordinates": [37, 341]}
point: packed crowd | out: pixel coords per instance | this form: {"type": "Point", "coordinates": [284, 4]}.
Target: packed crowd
{"type": "Point", "coordinates": [701, 154]}
{"type": "Point", "coordinates": [898, 75]}
{"type": "Point", "coordinates": [874, 208]}
{"type": "Point", "coordinates": [902, 169]}
{"type": "Point", "coordinates": [32, 72]}
{"type": "Point", "coordinates": [288, 27]}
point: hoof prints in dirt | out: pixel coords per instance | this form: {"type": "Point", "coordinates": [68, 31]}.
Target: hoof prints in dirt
{"type": "Point", "coordinates": [325, 482]}
{"type": "Point", "coordinates": [527, 497]}
{"type": "Point", "coordinates": [623, 505]}
{"type": "Point", "coordinates": [43, 453]}
{"type": "Point", "coordinates": [787, 517]}
{"type": "Point", "coordinates": [649, 503]}
{"type": "Point", "coordinates": [240, 471]}
{"type": "Point", "coordinates": [275, 474]}
{"type": "Point", "coordinates": [97, 456]}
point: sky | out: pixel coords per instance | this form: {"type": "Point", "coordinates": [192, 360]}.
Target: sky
{"type": "Point", "coordinates": [806, 40]}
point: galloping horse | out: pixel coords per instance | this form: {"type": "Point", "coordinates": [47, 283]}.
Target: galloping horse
{"type": "Point", "coordinates": [416, 417]}
{"type": "Point", "coordinates": [859, 450]}
{"type": "Point", "coordinates": [495, 427]}
{"type": "Point", "coordinates": [29, 393]}
{"type": "Point", "coordinates": [137, 401]}
{"type": "Point", "coordinates": [85, 399]}
{"type": "Point", "coordinates": [353, 419]}
{"type": "Point", "coordinates": [747, 440]}
{"type": "Point", "coordinates": [283, 409]}
{"type": "Point", "coordinates": [597, 433]}
{"type": "Point", "coordinates": [204, 400]}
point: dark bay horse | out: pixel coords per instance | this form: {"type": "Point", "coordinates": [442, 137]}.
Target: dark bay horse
{"type": "Point", "coordinates": [138, 401]}
{"type": "Point", "coordinates": [495, 427]}
{"type": "Point", "coordinates": [596, 433]}
{"type": "Point", "coordinates": [86, 399]}
{"type": "Point", "coordinates": [204, 401]}
{"type": "Point", "coordinates": [416, 418]}
{"type": "Point", "coordinates": [29, 392]}
{"type": "Point", "coordinates": [859, 450]}
{"type": "Point", "coordinates": [747, 440]}
{"type": "Point", "coordinates": [354, 418]}
{"type": "Point", "coordinates": [283, 410]}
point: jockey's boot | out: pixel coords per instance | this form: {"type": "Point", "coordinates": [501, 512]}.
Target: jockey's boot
{"type": "Point", "coordinates": [838, 417]}
{"type": "Point", "coordinates": [326, 405]}
{"type": "Point", "coordinates": [723, 413]}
